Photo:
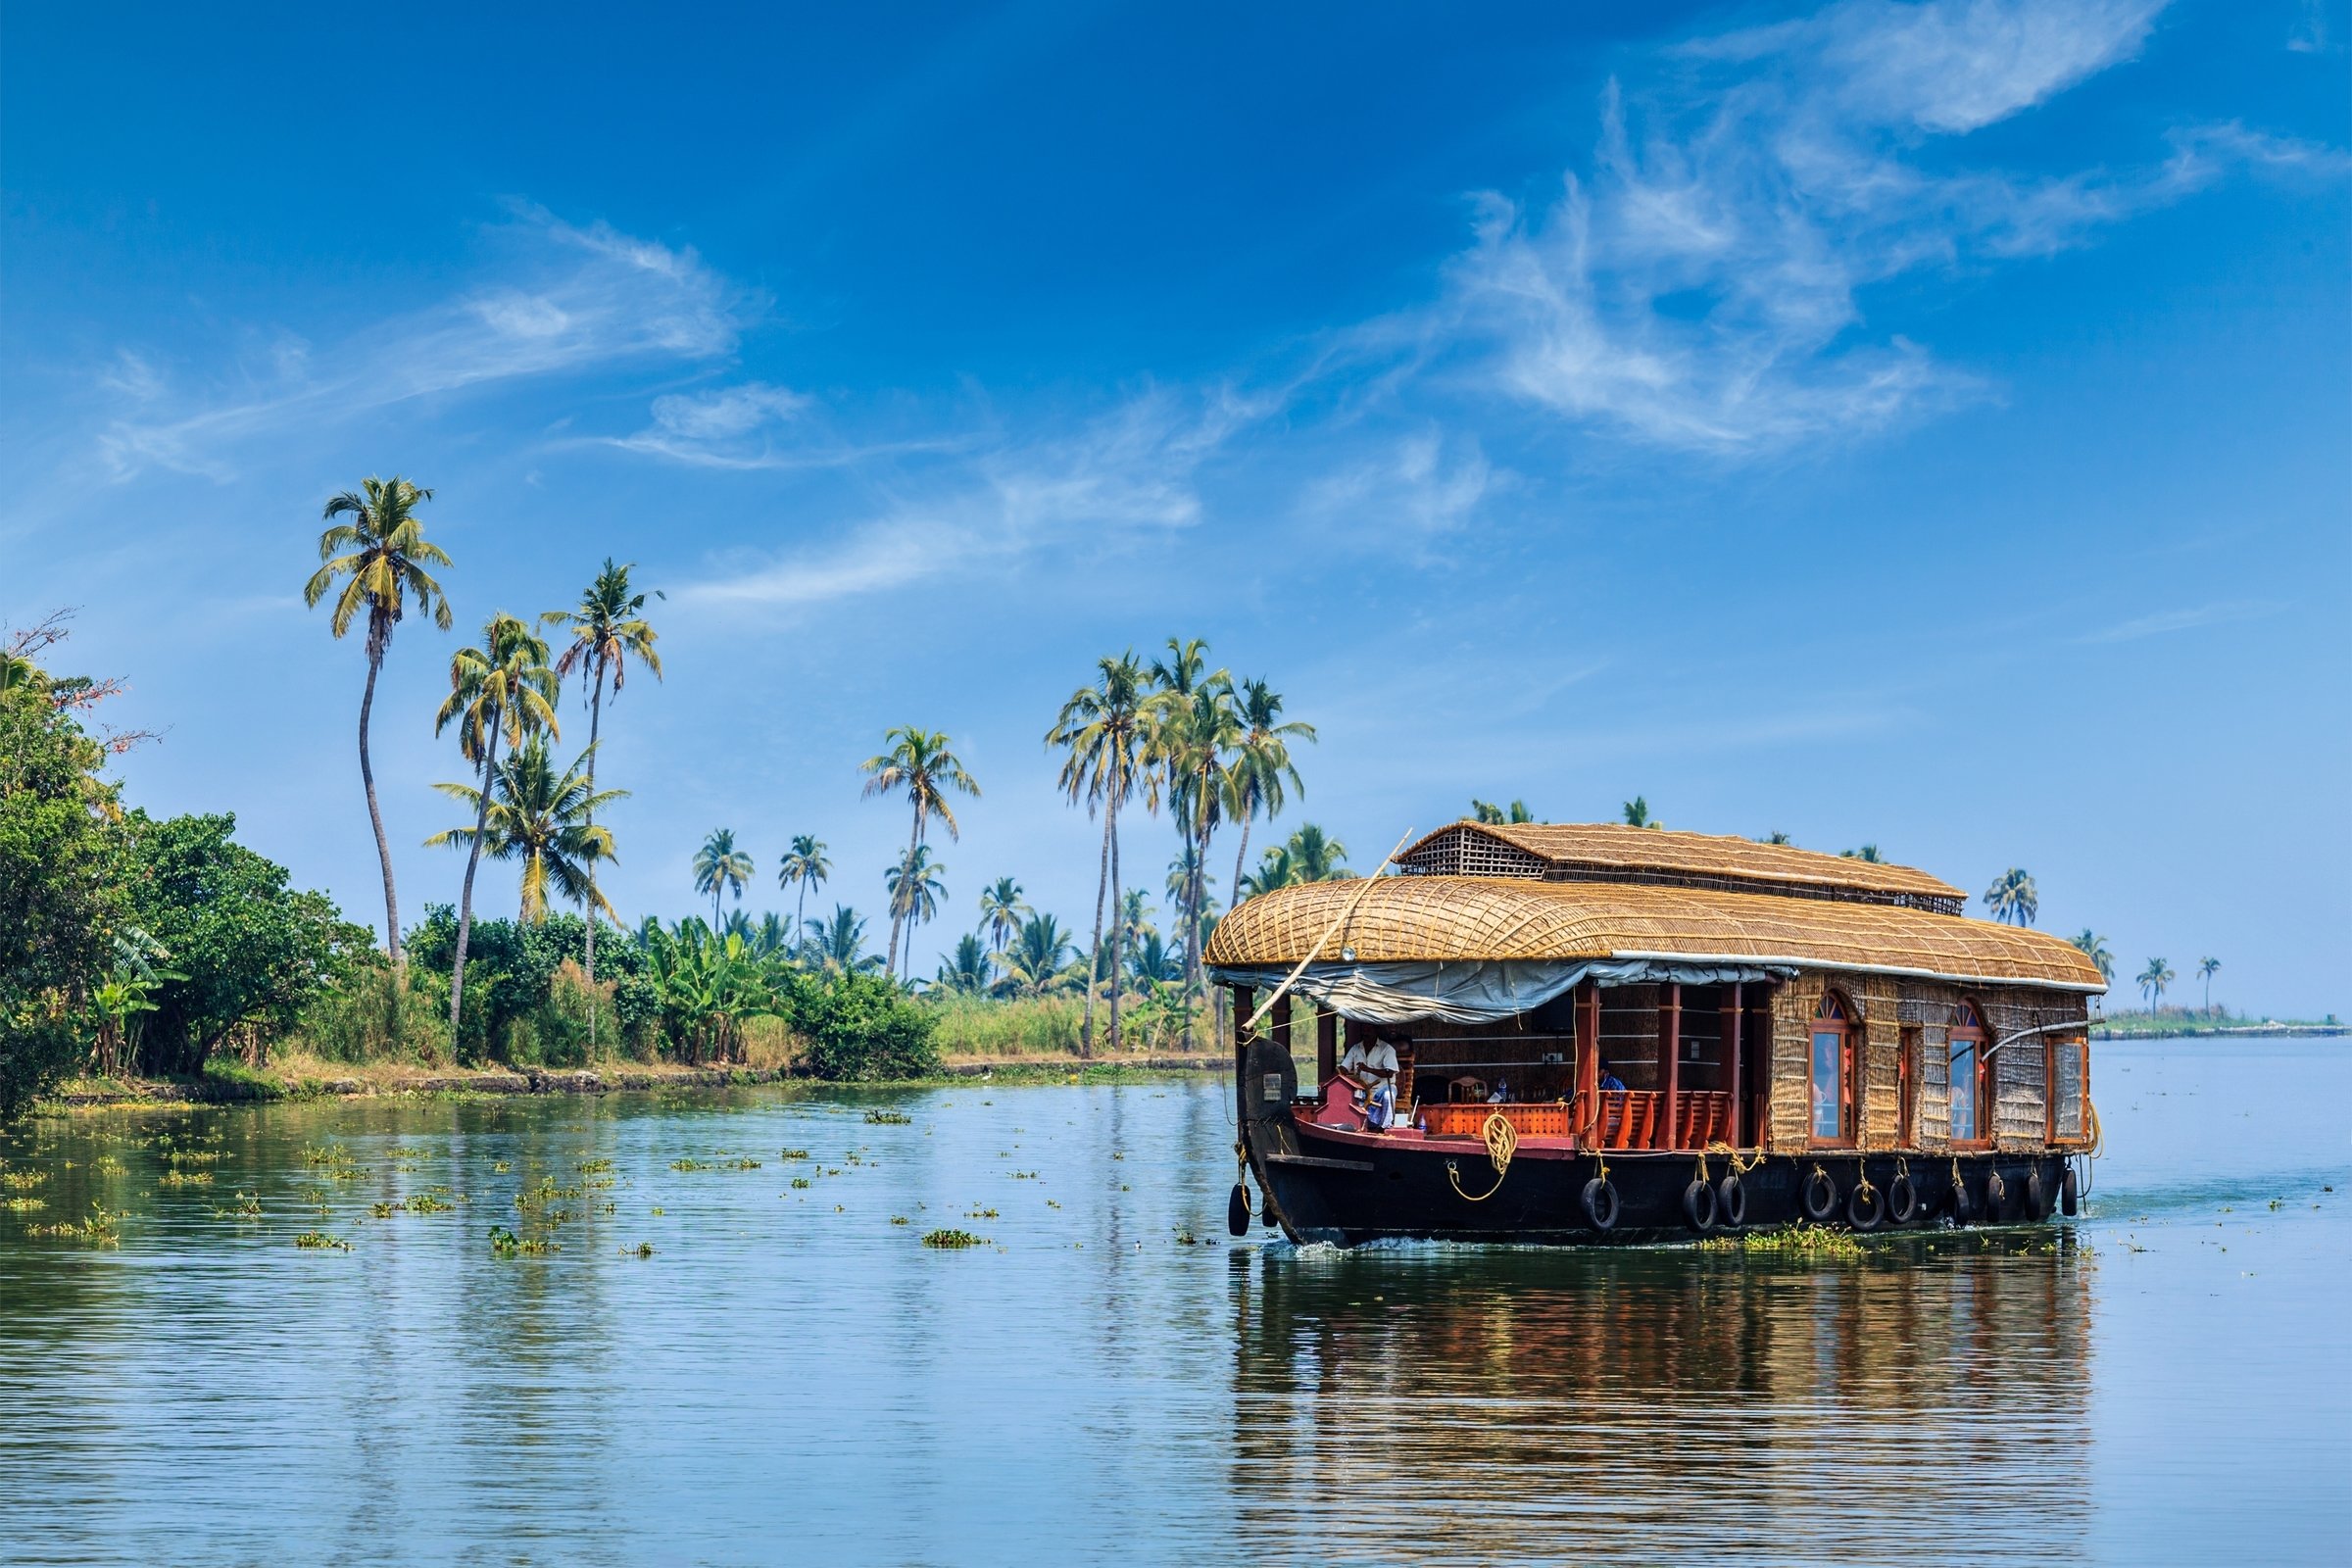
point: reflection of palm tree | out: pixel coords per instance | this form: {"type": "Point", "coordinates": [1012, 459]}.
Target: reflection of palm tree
{"type": "Point", "coordinates": [2094, 947]}
{"type": "Point", "coordinates": [720, 867]}
{"type": "Point", "coordinates": [384, 553]}
{"type": "Point", "coordinates": [2012, 898]}
{"type": "Point", "coordinates": [1108, 729]}
{"type": "Point", "coordinates": [915, 889]}
{"type": "Point", "coordinates": [2152, 981]}
{"type": "Point", "coordinates": [502, 689]}
{"type": "Point", "coordinates": [804, 867]}
{"type": "Point", "coordinates": [921, 763]}
{"type": "Point", "coordinates": [546, 820]}
{"type": "Point", "coordinates": [1261, 763]}
{"type": "Point", "coordinates": [2206, 968]}
{"type": "Point", "coordinates": [606, 631]}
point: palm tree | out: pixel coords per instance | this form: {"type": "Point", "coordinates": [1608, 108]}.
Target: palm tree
{"type": "Point", "coordinates": [921, 763]}
{"type": "Point", "coordinates": [1637, 813]}
{"type": "Point", "coordinates": [719, 865]}
{"type": "Point", "coordinates": [1776, 836]}
{"type": "Point", "coordinates": [968, 973]}
{"type": "Point", "coordinates": [383, 552]}
{"type": "Point", "coordinates": [1198, 732]}
{"type": "Point", "coordinates": [2094, 947]}
{"type": "Point", "coordinates": [1107, 730]}
{"type": "Point", "coordinates": [2152, 981]}
{"type": "Point", "coordinates": [544, 820]}
{"type": "Point", "coordinates": [1488, 812]}
{"type": "Point", "coordinates": [1135, 915]}
{"type": "Point", "coordinates": [1868, 852]}
{"type": "Point", "coordinates": [838, 946]}
{"type": "Point", "coordinates": [773, 938]}
{"type": "Point", "coordinates": [805, 867]}
{"type": "Point", "coordinates": [2012, 898]}
{"type": "Point", "coordinates": [1001, 910]}
{"type": "Point", "coordinates": [501, 689]}
{"type": "Point", "coordinates": [1275, 870]}
{"type": "Point", "coordinates": [1040, 959]}
{"type": "Point", "coordinates": [2206, 969]}
{"type": "Point", "coordinates": [1261, 763]}
{"type": "Point", "coordinates": [1316, 858]}
{"type": "Point", "coordinates": [1150, 963]}
{"type": "Point", "coordinates": [606, 631]}
{"type": "Point", "coordinates": [915, 888]}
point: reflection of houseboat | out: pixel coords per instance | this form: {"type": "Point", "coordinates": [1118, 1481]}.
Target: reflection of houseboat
{"type": "Point", "coordinates": [1800, 1036]}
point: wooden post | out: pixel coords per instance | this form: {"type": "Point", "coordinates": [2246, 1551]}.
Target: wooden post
{"type": "Point", "coordinates": [1670, 1053]}
{"type": "Point", "coordinates": [1731, 1045]}
{"type": "Point", "coordinates": [1241, 1054]}
{"type": "Point", "coordinates": [1281, 1025]}
{"type": "Point", "coordinates": [1327, 1045]}
{"type": "Point", "coordinates": [1587, 1056]}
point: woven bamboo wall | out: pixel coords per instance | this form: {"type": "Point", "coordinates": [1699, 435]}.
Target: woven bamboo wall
{"type": "Point", "coordinates": [1881, 1058]}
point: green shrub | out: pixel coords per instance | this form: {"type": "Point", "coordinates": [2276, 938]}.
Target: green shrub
{"type": "Point", "coordinates": [861, 1028]}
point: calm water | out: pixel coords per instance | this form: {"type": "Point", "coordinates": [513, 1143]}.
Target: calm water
{"type": "Point", "coordinates": [792, 1376]}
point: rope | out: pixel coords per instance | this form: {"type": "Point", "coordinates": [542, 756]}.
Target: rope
{"type": "Point", "coordinates": [1502, 1141]}
{"type": "Point", "coordinates": [1740, 1166]}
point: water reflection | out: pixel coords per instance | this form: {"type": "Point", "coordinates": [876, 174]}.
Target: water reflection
{"type": "Point", "coordinates": [1663, 1407]}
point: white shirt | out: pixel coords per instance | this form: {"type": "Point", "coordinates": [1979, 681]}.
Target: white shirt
{"type": "Point", "coordinates": [1364, 1060]}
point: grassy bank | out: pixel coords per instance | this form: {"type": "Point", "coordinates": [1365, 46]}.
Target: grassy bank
{"type": "Point", "coordinates": [2169, 1023]}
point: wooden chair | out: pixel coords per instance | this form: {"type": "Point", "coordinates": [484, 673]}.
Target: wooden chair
{"type": "Point", "coordinates": [1466, 1090]}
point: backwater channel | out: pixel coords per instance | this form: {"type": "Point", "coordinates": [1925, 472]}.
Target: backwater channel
{"type": "Point", "coordinates": [792, 1376]}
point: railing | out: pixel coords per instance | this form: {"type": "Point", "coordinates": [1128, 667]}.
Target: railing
{"type": "Point", "coordinates": [1630, 1119]}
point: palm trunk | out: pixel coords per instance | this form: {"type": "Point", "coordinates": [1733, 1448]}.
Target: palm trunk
{"type": "Point", "coordinates": [596, 713]}
{"type": "Point", "coordinates": [914, 842]}
{"type": "Point", "coordinates": [384, 846]}
{"type": "Point", "coordinates": [473, 858]}
{"type": "Point", "coordinates": [1093, 955]}
{"type": "Point", "coordinates": [1118, 915]}
{"type": "Point", "coordinates": [1238, 856]}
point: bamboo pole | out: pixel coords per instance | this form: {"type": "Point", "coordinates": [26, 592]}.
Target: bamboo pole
{"type": "Point", "coordinates": [1345, 915]}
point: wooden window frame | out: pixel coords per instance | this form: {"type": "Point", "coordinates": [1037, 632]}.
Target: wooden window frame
{"type": "Point", "coordinates": [1906, 1086]}
{"type": "Point", "coordinates": [1983, 1094]}
{"type": "Point", "coordinates": [1844, 1027]}
{"type": "Point", "coordinates": [2049, 1068]}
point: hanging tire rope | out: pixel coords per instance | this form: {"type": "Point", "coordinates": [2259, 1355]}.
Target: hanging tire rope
{"type": "Point", "coordinates": [1502, 1141]}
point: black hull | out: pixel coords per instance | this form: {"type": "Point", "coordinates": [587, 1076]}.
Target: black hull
{"type": "Point", "coordinates": [1352, 1192]}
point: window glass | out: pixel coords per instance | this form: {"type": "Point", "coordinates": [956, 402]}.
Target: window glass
{"type": "Point", "coordinates": [2065, 1088]}
{"type": "Point", "coordinates": [1829, 1111]}
{"type": "Point", "coordinates": [1964, 1091]}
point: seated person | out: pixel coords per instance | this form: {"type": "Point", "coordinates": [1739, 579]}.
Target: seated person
{"type": "Point", "coordinates": [1502, 1093]}
{"type": "Point", "coordinates": [1372, 1068]}
{"type": "Point", "coordinates": [1609, 1081]}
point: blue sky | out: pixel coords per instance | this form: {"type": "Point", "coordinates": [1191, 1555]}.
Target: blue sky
{"type": "Point", "coordinates": [1923, 424]}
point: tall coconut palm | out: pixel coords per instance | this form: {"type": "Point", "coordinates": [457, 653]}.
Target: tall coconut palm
{"type": "Point", "coordinates": [1002, 911]}
{"type": "Point", "coordinates": [806, 868]}
{"type": "Point", "coordinates": [1199, 733]}
{"type": "Point", "coordinates": [917, 889]}
{"type": "Point", "coordinates": [2207, 968]}
{"type": "Point", "coordinates": [607, 630]}
{"type": "Point", "coordinates": [1315, 858]}
{"type": "Point", "coordinates": [1105, 731]}
{"type": "Point", "coordinates": [2012, 898]}
{"type": "Point", "coordinates": [543, 818]}
{"type": "Point", "coordinates": [381, 553]}
{"type": "Point", "coordinates": [2152, 981]}
{"type": "Point", "coordinates": [502, 690]}
{"type": "Point", "coordinates": [2094, 947]}
{"type": "Point", "coordinates": [1261, 768]}
{"type": "Point", "coordinates": [921, 762]}
{"type": "Point", "coordinates": [720, 867]}
{"type": "Point", "coordinates": [1135, 915]}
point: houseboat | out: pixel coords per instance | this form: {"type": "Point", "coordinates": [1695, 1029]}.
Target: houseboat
{"type": "Point", "coordinates": [1610, 1034]}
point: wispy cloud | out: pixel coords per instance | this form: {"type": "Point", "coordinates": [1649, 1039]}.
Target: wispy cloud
{"type": "Point", "coordinates": [2172, 620]}
{"type": "Point", "coordinates": [578, 297]}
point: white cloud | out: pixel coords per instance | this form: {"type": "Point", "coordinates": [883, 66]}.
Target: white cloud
{"type": "Point", "coordinates": [1420, 486]}
{"type": "Point", "coordinates": [2172, 620]}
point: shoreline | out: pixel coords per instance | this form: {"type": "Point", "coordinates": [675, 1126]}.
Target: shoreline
{"type": "Point", "coordinates": [501, 1082]}
{"type": "Point", "coordinates": [2243, 1031]}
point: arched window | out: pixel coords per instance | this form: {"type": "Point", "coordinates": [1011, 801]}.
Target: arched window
{"type": "Point", "coordinates": [1971, 1078]}
{"type": "Point", "coordinates": [1833, 1101]}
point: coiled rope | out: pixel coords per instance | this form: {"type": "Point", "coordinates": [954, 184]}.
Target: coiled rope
{"type": "Point", "coordinates": [1502, 1141]}
{"type": "Point", "coordinates": [1740, 1166]}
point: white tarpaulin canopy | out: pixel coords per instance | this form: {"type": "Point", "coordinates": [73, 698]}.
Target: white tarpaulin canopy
{"type": "Point", "coordinates": [1479, 991]}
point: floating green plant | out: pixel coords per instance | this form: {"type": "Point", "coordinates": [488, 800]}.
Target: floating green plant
{"type": "Point", "coordinates": [320, 1241]}
{"type": "Point", "coordinates": [952, 1238]}
{"type": "Point", "coordinates": [659, 1211]}
{"type": "Point", "coordinates": [503, 1242]}
{"type": "Point", "coordinates": [18, 1181]}
{"type": "Point", "coordinates": [100, 1228]}
{"type": "Point", "coordinates": [428, 1203]}
{"type": "Point", "coordinates": [740, 1165]}
{"type": "Point", "coordinates": [594, 1167]}
{"type": "Point", "coordinates": [606, 1209]}
{"type": "Point", "coordinates": [380, 1210]}
{"type": "Point", "coordinates": [325, 1154]}
{"type": "Point", "coordinates": [688, 1164]}
{"type": "Point", "coordinates": [802, 1182]}
{"type": "Point", "coordinates": [108, 1165]}
{"type": "Point", "coordinates": [898, 1219]}
{"type": "Point", "coordinates": [502, 1166]}
{"type": "Point", "coordinates": [1797, 1240]}
{"type": "Point", "coordinates": [981, 1213]}
{"type": "Point", "coordinates": [249, 1206]}
{"type": "Point", "coordinates": [193, 1156]}
{"type": "Point", "coordinates": [185, 1178]}
{"type": "Point", "coordinates": [23, 1205]}
{"type": "Point", "coordinates": [641, 1250]}
{"type": "Point", "coordinates": [1024, 1175]}
{"type": "Point", "coordinates": [889, 1118]}
{"type": "Point", "coordinates": [793, 1153]}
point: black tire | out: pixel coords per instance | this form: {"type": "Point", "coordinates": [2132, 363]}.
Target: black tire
{"type": "Point", "coordinates": [1996, 1196]}
{"type": "Point", "coordinates": [1820, 1198]}
{"type": "Point", "coordinates": [1963, 1207]}
{"type": "Point", "coordinates": [1902, 1200]}
{"type": "Point", "coordinates": [1864, 1207]}
{"type": "Point", "coordinates": [1698, 1206]}
{"type": "Point", "coordinates": [1600, 1203]}
{"type": "Point", "coordinates": [1731, 1202]}
{"type": "Point", "coordinates": [2037, 1193]}
{"type": "Point", "coordinates": [1237, 1211]}
{"type": "Point", "coordinates": [2069, 1193]}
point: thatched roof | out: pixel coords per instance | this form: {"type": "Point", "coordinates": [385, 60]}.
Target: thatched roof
{"type": "Point", "coordinates": [1608, 851]}
{"type": "Point", "coordinates": [1448, 918]}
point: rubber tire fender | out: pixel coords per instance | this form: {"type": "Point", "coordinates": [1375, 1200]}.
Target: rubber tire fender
{"type": "Point", "coordinates": [1731, 1202]}
{"type": "Point", "coordinates": [2070, 1192]}
{"type": "Point", "coordinates": [1237, 1211]}
{"type": "Point", "coordinates": [1600, 1203]}
{"type": "Point", "coordinates": [1700, 1207]}
{"type": "Point", "coordinates": [1820, 1198]}
{"type": "Point", "coordinates": [1963, 1205]}
{"type": "Point", "coordinates": [1864, 1207]}
{"type": "Point", "coordinates": [1902, 1200]}
{"type": "Point", "coordinates": [2037, 1193]}
{"type": "Point", "coordinates": [1997, 1196]}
